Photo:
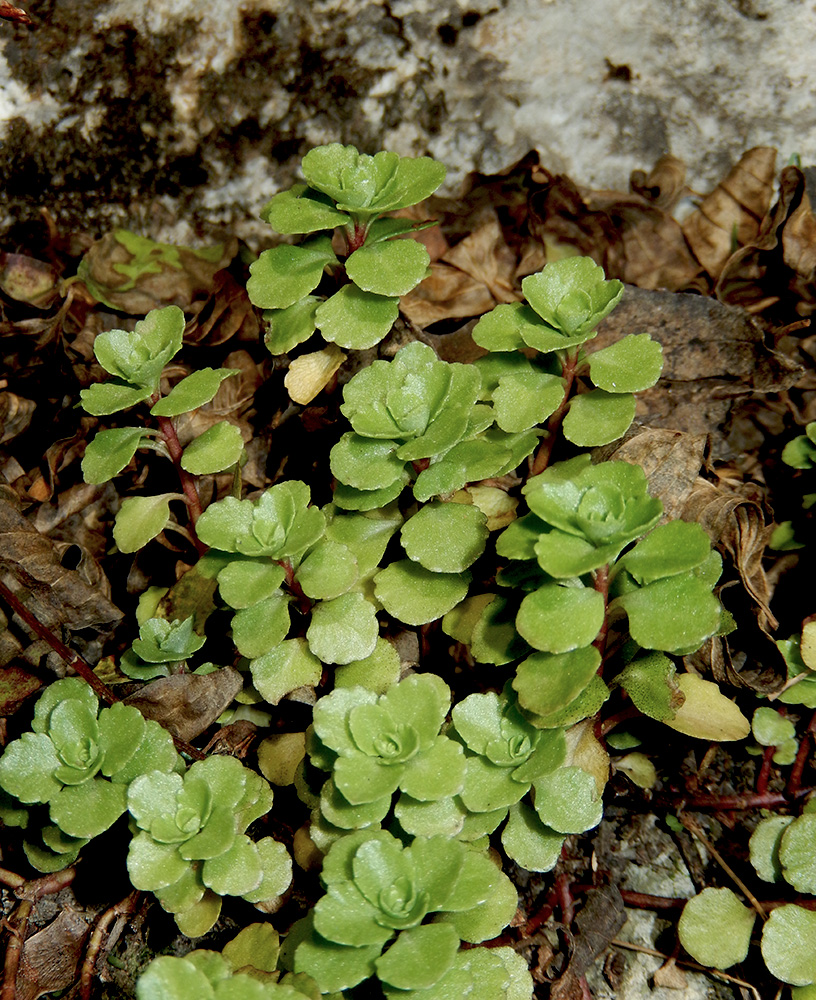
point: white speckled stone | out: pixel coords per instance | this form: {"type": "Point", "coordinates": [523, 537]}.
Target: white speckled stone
{"type": "Point", "coordinates": [206, 106]}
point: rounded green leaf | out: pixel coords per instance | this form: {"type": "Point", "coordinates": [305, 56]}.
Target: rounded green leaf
{"type": "Point", "coordinates": [797, 853]}
{"type": "Point", "coordinates": [235, 872]}
{"type": "Point", "coordinates": [139, 520]}
{"type": "Point", "coordinates": [195, 920]}
{"type": "Point", "coordinates": [675, 614]}
{"type": "Point", "coordinates": [109, 453]}
{"type": "Point", "coordinates": [715, 928]}
{"type": "Point", "coordinates": [261, 627]}
{"type": "Point", "coordinates": [27, 767]}
{"type": "Point", "coordinates": [276, 872]}
{"type": "Point", "coordinates": [445, 817]}
{"type": "Point", "coordinates": [366, 463]}
{"type": "Point", "coordinates": [419, 957]}
{"type": "Point", "coordinates": [283, 275]}
{"type": "Point", "coordinates": [436, 773]}
{"type": "Point", "coordinates": [632, 364]}
{"type": "Point", "coordinates": [104, 398]}
{"type": "Point", "coordinates": [650, 682]}
{"type": "Point", "coordinates": [243, 583]}
{"type": "Point", "coordinates": [215, 450]}
{"type": "Point", "coordinates": [138, 356]}
{"type": "Point", "coordinates": [170, 978]}
{"type": "Point", "coordinates": [789, 945]}
{"type": "Point", "coordinates": [88, 809]}
{"type": "Point", "coordinates": [328, 571]}
{"type": "Point", "coordinates": [567, 800]}
{"type": "Point", "coordinates": [529, 842]}
{"type": "Point", "coordinates": [283, 669]}
{"type": "Point", "coordinates": [344, 629]}
{"type": "Point", "coordinates": [672, 548]}
{"type": "Point", "coordinates": [390, 268]}
{"type": "Point", "coordinates": [526, 399]}
{"type": "Point", "coordinates": [547, 683]}
{"type": "Point", "coordinates": [489, 787]}
{"type": "Point", "coordinates": [377, 672]}
{"type": "Point", "coordinates": [333, 966]}
{"type": "Point", "coordinates": [193, 391]}
{"type": "Point", "coordinates": [445, 537]}
{"type": "Point", "coordinates": [764, 846]}
{"type": "Point", "coordinates": [355, 319]}
{"type": "Point", "coordinates": [558, 619]}
{"type": "Point", "coordinates": [598, 417]}
{"type": "Point", "coordinates": [572, 295]}
{"type": "Point", "coordinates": [415, 595]}
{"type": "Point", "coordinates": [121, 730]}
{"type": "Point", "coordinates": [771, 728]}
{"type": "Point", "coordinates": [301, 210]}
{"type": "Point", "coordinates": [284, 329]}
{"type": "Point", "coordinates": [347, 498]}
{"type": "Point", "coordinates": [502, 328]}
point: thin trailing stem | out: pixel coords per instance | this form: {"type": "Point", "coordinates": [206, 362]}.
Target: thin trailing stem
{"type": "Point", "coordinates": [795, 779]}
{"type": "Point", "coordinates": [765, 770]}
{"type": "Point", "coordinates": [118, 912]}
{"type": "Point", "coordinates": [188, 482]}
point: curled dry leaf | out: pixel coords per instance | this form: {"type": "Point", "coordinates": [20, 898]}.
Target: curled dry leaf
{"type": "Point", "coordinates": [598, 922]}
{"type": "Point", "coordinates": [227, 313]}
{"type": "Point", "coordinates": [447, 293]}
{"type": "Point", "coordinates": [311, 373]}
{"type": "Point", "coordinates": [731, 214]}
{"type": "Point", "coordinates": [664, 185]}
{"type": "Point", "coordinates": [187, 704]}
{"type": "Point", "coordinates": [51, 956]}
{"type": "Point", "coordinates": [485, 256]}
{"type": "Point", "coordinates": [16, 414]}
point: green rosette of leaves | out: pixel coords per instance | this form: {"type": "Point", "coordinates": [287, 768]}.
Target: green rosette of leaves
{"type": "Point", "coordinates": [135, 360]}
{"type": "Point", "coordinates": [418, 418]}
{"type": "Point", "coordinates": [565, 302]}
{"type": "Point", "coordinates": [350, 192]}
{"type": "Point", "coordinates": [246, 967]}
{"type": "Point", "coordinates": [79, 762]}
{"type": "Point", "coordinates": [376, 746]}
{"type": "Point", "coordinates": [190, 848]}
{"type": "Point", "coordinates": [399, 913]}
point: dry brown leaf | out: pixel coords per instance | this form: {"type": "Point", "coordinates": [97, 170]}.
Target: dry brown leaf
{"type": "Point", "coordinates": [598, 922]}
{"type": "Point", "coordinates": [187, 704]}
{"type": "Point", "coordinates": [735, 519]}
{"type": "Point", "coordinates": [669, 977]}
{"type": "Point", "coordinates": [16, 414]}
{"type": "Point", "coordinates": [731, 214]}
{"type": "Point", "coordinates": [485, 256]}
{"type": "Point", "coordinates": [59, 598]}
{"type": "Point", "coordinates": [51, 956]}
{"type": "Point", "coordinates": [227, 313]}
{"type": "Point", "coordinates": [447, 293]}
{"type": "Point", "coordinates": [664, 185]}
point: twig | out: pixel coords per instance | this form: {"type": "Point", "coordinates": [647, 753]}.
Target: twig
{"type": "Point", "coordinates": [765, 770]}
{"type": "Point", "coordinates": [544, 453]}
{"type": "Point", "coordinates": [696, 830]}
{"type": "Point", "coordinates": [188, 483]}
{"type": "Point", "coordinates": [795, 779]}
{"type": "Point", "coordinates": [630, 946]}
{"type": "Point", "coordinates": [14, 951]}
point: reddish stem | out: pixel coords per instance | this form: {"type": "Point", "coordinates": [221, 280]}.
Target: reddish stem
{"type": "Point", "coordinates": [795, 779]}
{"type": "Point", "coordinates": [544, 453]}
{"type": "Point", "coordinates": [601, 584]}
{"type": "Point", "coordinates": [727, 803]}
{"type": "Point", "coordinates": [765, 770]}
{"type": "Point", "coordinates": [625, 714]}
{"type": "Point", "coordinates": [188, 483]}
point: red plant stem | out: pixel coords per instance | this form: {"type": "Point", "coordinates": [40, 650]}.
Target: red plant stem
{"type": "Point", "coordinates": [765, 770]}
{"type": "Point", "coordinates": [122, 909]}
{"type": "Point", "coordinates": [565, 900]}
{"type": "Point", "coordinates": [601, 584]}
{"type": "Point", "coordinates": [544, 453]}
{"type": "Point", "coordinates": [625, 714]}
{"type": "Point", "coordinates": [727, 803]}
{"type": "Point", "coordinates": [795, 779]}
{"type": "Point", "coordinates": [71, 658]}
{"type": "Point", "coordinates": [304, 604]}
{"type": "Point", "coordinates": [188, 483]}
{"type": "Point", "coordinates": [14, 951]}
{"type": "Point", "coordinates": [75, 661]}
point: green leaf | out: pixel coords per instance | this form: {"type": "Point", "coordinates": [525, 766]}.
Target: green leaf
{"type": "Point", "coordinates": [151, 865]}
{"type": "Point", "coordinates": [243, 583]}
{"type": "Point", "coordinates": [138, 357]}
{"type": "Point", "coordinates": [366, 535]}
{"type": "Point", "coordinates": [285, 274]}
{"type": "Point", "coordinates": [121, 730]}
{"type": "Point", "coordinates": [567, 800]}
{"type": "Point", "coordinates": [193, 391]}
{"type": "Point", "coordinates": [445, 537]}
{"type": "Point", "coordinates": [334, 966]}
{"type": "Point", "coordinates": [415, 595]}
{"type": "Point", "coordinates": [764, 847]}
{"type": "Point", "coordinates": [800, 453]}
{"type": "Point", "coordinates": [547, 683]}
{"type": "Point", "coordinates": [355, 319]}
{"type": "Point", "coordinates": [558, 619]}
{"type": "Point", "coordinates": [796, 854]}
{"type": "Point", "coordinates": [218, 448]}
{"type": "Point", "coordinates": [672, 548]}
{"type": "Point", "coordinates": [526, 399]}
{"type": "Point", "coordinates": [199, 918]}
{"type": "Point", "coordinates": [139, 520]}
{"type": "Point", "coordinates": [502, 329]}
{"type": "Point", "coordinates": [284, 329]}
{"type": "Point", "coordinates": [675, 614]}
{"type": "Point", "coordinates": [161, 641]}
{"type": "Point", "coordinates": [236, 871]}
{"type": "Point", "coordinates": [572, 295]}
{"type": "Point", "coordinates": [170, 978]}
{"type": "Point", "coordinates": [650, 682]}
{"type": "Point", "coordinates": [286, 667]}
{"type": "Point", "coordinates": [103, 398]}
{"type": "Point", "coordinates": [715, 928]}
{"type": "Point", "coordinates": [530, 843]}
{"type": "Point", "coordinates": [587, 704]}
{"type": "Point", "coordinates": [494, 638]}
{"type": "Point", "coordinates": [276, 872]}
{"type": "Point", "coordinates": [598, 417]}
{"type": "Point", "coordinates": [89, 809]}
{"type": "Point", "coordinates": [347, 498]}
{"type": "Point", "coordinates": [109, 453]}
{"type": "Point", "coordinates": [436, 773]}
{"type": "Point", "coordinates": [301, 210]}
{"type": "Point", "coordinates": [419, 957]}
{"type": "Point", "coordinates": [261, 627]}
{"type": "Point", "coordinates": [27, 767]}
{"type": "Point", "coordinates": [328, 571]}
{"type": "Point", "coordinates": [631, 364]}
{"type": "Point", "coordinates": [390, 268]}
{"type": "Point", "coordinates": [789, 944]}
{"type": "Point", "coordinates": [344, 629]}
{"type": "Point", "coordinates": [770, 728]}
{"type": "Point", "coordinates": [366, 463]}
{"type": "Point", "coordinates": [706, 713]}
{"type": "Point", "coordinates": [377, 672]}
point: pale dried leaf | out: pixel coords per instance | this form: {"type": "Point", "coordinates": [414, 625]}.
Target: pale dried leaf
{"type": "Point", "coordinates": [311, 373]}
{"type": "Point", "coordinates": [447, 293]}
{"type": "Point", "coordinates": [664, 185]}
{"type": "Point", "coordinates": [51, 956]}
{"type": "Point", "coordinates": [485, 256]}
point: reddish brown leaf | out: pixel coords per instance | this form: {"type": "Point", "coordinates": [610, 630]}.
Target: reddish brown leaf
{"type": "Point", "coordinates": [664, 185]}
{"type": "Point", "coordinates": [16, 685]}
{"type": "Point", "coordinates": [187, 704]}
{"type": "Point", "coordinates": [51, 957]}
{"type": "Point", "coordinates": [12, 13]}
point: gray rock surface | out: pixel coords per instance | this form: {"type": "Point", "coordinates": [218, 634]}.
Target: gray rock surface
{"type": "Point", "coordinates": [182, 117]}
